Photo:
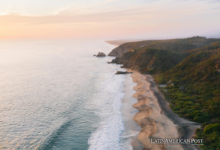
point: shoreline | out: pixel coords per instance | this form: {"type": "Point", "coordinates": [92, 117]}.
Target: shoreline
{"type": "Point", "coordinates": [155, 117]}
{"type": "Point", "coordinates": [128, 112]}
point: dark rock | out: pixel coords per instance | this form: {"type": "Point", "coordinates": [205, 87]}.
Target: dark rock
{"type": "Point", "coordinates": [122, 72]}
{"type": "Point", "coordinates": [116, 60]}
{"type": "Point", "coordinates": [101, 54]}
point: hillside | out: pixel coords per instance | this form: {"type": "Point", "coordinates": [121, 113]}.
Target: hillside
{"type": "Point", "coordinates": [191, 69]}
{"type": "Point", "coordinates": [159, 56]}
{"type": "Point", "coordinates": [195, 93]}
{"type": "Point", "coordinates": [150, 60]}
{"type": "Point", "coordinates": [175, 45]}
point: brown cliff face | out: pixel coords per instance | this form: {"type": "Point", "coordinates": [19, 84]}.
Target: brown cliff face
{"type": "Point", "coordinates": [119, 51]}
{"type": "Point", "coordinates": [150, 60]}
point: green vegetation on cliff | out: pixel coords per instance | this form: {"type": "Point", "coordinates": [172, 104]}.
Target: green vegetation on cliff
{"type": "Point", "coordinates": [195, 92]}
{"type": "Point", "coordinates": [175, 45]}
{"type": "Point", "coordinates": [191, 69]}
{"type": "Point", "coordinates": [150, 60]}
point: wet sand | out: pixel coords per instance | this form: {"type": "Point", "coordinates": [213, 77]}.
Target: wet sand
{"type": "Point", "coordinates": [155, 117]}
{"type": "Point", "coordinates": [128, 112]}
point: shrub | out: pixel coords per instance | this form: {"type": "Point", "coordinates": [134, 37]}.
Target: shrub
{"type": "Point", "coordinates": [211, 128]}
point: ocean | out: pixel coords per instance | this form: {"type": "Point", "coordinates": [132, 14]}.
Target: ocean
{"type": "Point", "coordinates": [54, 95]}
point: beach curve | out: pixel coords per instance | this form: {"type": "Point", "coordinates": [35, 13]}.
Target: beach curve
{"type": "Point", "coordinates": [155, 117]}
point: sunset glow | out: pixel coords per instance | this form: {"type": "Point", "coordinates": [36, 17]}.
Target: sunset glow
{"type": "Point", "coordinates": [109, 18]}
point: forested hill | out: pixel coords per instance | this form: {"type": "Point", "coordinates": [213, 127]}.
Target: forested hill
{"type": "Point", "coordinates": [191, 69]}
{"type": "Point", "coordinates": [176, 45]}
{"type": "Point", "coordinates": [195, 91]}
{"type": "Point", "coordinates": [159, 56]}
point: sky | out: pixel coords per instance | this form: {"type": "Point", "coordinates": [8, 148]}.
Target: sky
{"type": "Point", "coordinates": [110, 19]}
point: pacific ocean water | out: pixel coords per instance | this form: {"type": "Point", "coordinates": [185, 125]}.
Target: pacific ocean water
{"type": "Point", "coordinates": [55, 95]}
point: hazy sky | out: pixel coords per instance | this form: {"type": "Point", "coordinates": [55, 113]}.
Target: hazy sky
{"type": "Point", "coordinates": [113, 19]}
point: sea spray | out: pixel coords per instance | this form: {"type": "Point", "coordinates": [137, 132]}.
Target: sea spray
{"type": "Point", "coordinates": [108, 104]}
{"type": "Point", "coordinates": [128, 137]}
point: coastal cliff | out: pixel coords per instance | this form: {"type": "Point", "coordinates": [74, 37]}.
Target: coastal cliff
{"type": "Point", "coordinates": [190, 68]}
{"type": "Point", "coordinates": [175, 45]}
{"type": "Point", "coordinates": [149, 60]}
{"type": "Point", "coordinates": [158, 56]}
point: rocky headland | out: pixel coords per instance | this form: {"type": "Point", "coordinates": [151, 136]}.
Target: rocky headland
{"type": "Point", "coordinates": [155, 58]}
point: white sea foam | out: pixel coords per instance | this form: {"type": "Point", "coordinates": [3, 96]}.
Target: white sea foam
{"type": "Point", "coordinates": [108, 104]}
{"type": "Point", "coordinates": [45, 88]}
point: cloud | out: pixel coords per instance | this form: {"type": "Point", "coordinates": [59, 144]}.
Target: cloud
{"type": "Point", "coordinates": [74, 17]}
{"type": "Point", "coordinates": [141, 13]}
{"type": "Point", "coordinates": [110, 17]}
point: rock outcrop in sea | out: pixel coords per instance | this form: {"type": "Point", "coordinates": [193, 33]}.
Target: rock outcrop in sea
{"type": "Point", "coordinates": [100, 54]}
{"type": "Point", "coordinates": [122, 72]}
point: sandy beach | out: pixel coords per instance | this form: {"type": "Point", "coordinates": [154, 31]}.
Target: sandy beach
{"type": "Point", "coordinates": [128, 113]}
{"type": "Point", "coordinates": [155, 117]}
